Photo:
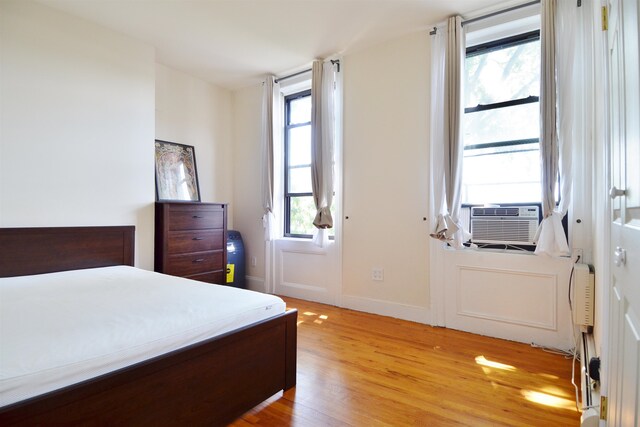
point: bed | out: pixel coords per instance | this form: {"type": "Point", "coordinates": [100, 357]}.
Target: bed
{"type": "Point", "coordinates": [209, 382]}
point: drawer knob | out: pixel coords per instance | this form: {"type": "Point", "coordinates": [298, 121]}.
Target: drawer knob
{"type": "Point", "coordinates": [198, 238]}
{"type": "Point", "coordinates": [197, 216]}
{"type": "Point", "coordinates": [198, 260]}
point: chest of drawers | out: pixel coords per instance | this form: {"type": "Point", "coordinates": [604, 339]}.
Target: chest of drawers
{"type": "Point", "coordinates": [191, 240]}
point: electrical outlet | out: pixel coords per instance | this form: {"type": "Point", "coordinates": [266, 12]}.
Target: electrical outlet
{"type": "Point", "coordinates": [254, 261]}
{"type": "Point", "coordinates": [578, 252]}
{"type": "Point", "coordinates": [377, 274]}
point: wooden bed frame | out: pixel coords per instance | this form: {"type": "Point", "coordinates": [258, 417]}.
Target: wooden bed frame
{"type": "Point", "coordinates": [208, 383]}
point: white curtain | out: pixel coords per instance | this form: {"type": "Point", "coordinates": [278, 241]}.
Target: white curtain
{"type": "Point", "coordinates": [447, 64]}
{"type": "Point", "coordinates": [270, 92]}
{"type": "Point", "coordinates": [322, 146]}
{"type": "Point", "coordinates": [563, 112]}
{"type": "Point", "coordinates": [438, 206]}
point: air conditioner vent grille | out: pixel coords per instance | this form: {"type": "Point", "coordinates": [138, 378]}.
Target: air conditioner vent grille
{"type": "Point", "coordinates": [494, 230]}
{"type": "Point", "coordinates": [496, 211]}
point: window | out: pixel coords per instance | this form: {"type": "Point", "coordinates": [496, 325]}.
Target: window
{"type": "Point", "coordinates": [501, 124]}
{"type": "Point", "coordinates": [298, 198]}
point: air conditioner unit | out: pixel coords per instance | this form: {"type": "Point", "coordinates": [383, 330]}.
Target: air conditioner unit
{"type": "Point", "coordinates": [514, 225]}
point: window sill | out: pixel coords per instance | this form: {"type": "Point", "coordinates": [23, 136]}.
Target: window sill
{"type": "Point", "coordinates": [301, 240]}
{"type": "Point", "coordinates": [302, 245]}
{"type": "Point", "coordinates": [294, 239]}
{"type": "Point", "coordinates": [481, 250]}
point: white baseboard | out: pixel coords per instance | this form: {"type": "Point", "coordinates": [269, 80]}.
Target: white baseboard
{"type": "Point", "coordinates": [255, 284]}
{"type": "Point", "coordinates": [412, 313]}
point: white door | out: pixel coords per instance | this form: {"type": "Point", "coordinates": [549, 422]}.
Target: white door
{"type": "Point", "coordinates": [624, 303]}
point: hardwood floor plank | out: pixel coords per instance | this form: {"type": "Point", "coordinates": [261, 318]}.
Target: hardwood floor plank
{"type": "Point", "coordinates": [360, 369]}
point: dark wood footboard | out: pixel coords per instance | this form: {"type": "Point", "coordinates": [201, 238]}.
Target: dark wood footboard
{"type": "Point", "coordinates": [209, 383]}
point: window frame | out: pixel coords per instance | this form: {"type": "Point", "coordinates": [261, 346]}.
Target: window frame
{"type": "Point", "coordinates": [484, 48]}
{"type": "Point", "coordinates": [287, 194]}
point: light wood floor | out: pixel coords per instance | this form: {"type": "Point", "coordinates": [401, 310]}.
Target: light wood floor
{"type": "Point", "coordinates": [360, 369]}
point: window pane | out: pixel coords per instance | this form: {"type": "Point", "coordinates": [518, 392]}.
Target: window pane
{"type": "Point", "coordinates": [502, 175]}
{"type": "Point", "coordinates": [300, 110]}
{"type": "Point", "coordinates": [300, 180]}
{"type": "Point", "coordinates": [301, 216]}
{"type": "Point", "coordinates": [502, 124]}
{"type": "Point", "coordinates": [503, 75]}
{"type": "Point", "coordinates": [300, 146]}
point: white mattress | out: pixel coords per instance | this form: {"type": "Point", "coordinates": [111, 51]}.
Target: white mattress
{"type": "Point", "coordinates": [61, 328]}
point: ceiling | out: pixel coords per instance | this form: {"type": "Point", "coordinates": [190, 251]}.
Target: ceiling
{"type": "Point", "coordinates": [233, 43]}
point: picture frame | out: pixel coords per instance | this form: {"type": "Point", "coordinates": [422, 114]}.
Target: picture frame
{"type": "Point", "coordinates": [176, 172]}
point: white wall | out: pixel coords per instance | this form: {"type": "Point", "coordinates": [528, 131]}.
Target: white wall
{"type": "Point", "coordinates": [386, 177]}
{"type": "Point", "coordinates": [193, 112]}
{"type": "Point", "coordinates": [386, 181]}
{"type": "Point", "coordinates": [386, 193]}
{"type": "Point", "coordinates": [247, 197]}
{"type": "Point", "coordinates": [77, 124]}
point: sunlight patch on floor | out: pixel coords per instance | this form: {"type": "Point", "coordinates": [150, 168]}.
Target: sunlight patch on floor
{"type": "Point", "coordinates": [549, 400]}
{"type": "Point", "coordinates": [318, 321]}
{"type": "Point", "coordinates": [483, 361]}
{"type": "Point", "coordinates": [555, 391]}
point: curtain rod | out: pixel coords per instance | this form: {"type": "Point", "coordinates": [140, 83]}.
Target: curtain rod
{"type": "Point", "coordinates": [499, 12]}
{"type": "Point", "coordinates": [489, 15]}
{"type": "Point", "coordinates": [278, 80]}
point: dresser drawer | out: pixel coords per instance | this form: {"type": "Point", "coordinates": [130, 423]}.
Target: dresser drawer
{"type": "Point", "coordinates": [192, 217]}
{"type": "Point", "coordinates": [194, 241]}
{"type": "Point", "coordinates": [191, 239]}
{"type": "Point", "coordinates": [215, 277]}
{"type": "Point", "coordinates": [189, 264]}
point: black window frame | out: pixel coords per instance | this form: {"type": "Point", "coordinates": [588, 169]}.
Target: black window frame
{"type": "Point", "coordinates": [287, 194]}
{"type": "Point", "coordinates": [491, 46]}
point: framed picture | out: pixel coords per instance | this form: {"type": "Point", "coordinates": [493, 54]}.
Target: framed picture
{"type": "Point", "coordinates": [176, 173]}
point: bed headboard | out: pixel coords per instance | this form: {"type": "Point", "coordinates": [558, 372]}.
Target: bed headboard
{"type": "Point", "coordinates": [26, 251]}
